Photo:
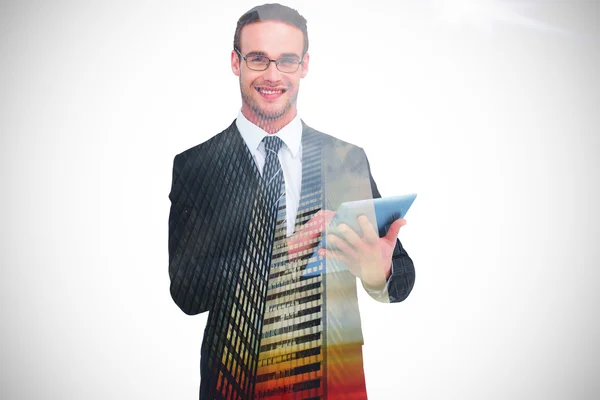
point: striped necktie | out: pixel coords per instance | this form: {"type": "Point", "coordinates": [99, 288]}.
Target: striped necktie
{"type": "Point", "coordinates": [272, 176]}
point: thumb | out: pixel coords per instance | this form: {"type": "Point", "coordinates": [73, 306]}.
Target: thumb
{"type": "Point", "coordinates": [392, 234]}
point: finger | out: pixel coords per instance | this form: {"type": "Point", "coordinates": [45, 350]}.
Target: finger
{"type": "Point", "coordinates": [368, 231]}
{"type": "Point", "coordinates": [349, 235]}
{"type": "Point", "coordinates": [341, 245]}
{"type": "Point", "coordinates": [392, 234]}
{"type": "Point", "coordinates": [320, 220]}
{"type": "Point", "coordinates": [324, 215]}
{"type": "Point", "coordinates": [337, 260]}
{"type": "Point", "coordinates": [327, 215]}
{"type": "Point", "coordinates": [314, 226]}
{"type": "Point", "coordinates": [330, 254]}
{"type": "Point", "coordinates": [306, 232]}
{"type": "Point", "coordinates": [298, 243]}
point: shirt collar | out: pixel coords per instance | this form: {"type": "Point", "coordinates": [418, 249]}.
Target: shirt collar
{"type": "Point", "coordinates": [291, 134]}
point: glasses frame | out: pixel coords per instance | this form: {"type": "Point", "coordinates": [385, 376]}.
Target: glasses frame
{"type": "Point", "coordinates": [269, 64]}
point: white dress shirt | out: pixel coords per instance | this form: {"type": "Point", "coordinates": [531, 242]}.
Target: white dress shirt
{"type": "Point", "coordinates": [290, 157]}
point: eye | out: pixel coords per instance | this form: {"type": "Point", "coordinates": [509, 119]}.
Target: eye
{"type": "Point", "coordinates": [288, 61]}
{"type": "Point", "coordinates": [258, 59]}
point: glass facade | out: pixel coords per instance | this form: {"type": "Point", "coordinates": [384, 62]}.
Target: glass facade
{"type": "Point", "coordinates": [291, 354]}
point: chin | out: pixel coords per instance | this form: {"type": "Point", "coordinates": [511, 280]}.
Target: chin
{"type": "Point", "coordinates": [273, 112]}
{"type": "Point", "coordinates": [270, 116]}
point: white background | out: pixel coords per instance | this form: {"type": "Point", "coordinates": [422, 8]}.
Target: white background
{"type": "Point", "coordinates": [488, 110]}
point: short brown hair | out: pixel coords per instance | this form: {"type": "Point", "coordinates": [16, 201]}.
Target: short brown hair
{"type": "Point", "coordinates": [271, 12]}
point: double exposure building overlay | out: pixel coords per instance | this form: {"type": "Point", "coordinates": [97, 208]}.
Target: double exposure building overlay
{"type": "Point", "coordinates": [275, 328]}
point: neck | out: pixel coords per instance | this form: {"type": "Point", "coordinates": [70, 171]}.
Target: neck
{"type": "Point", "coordinates": [270, 126]}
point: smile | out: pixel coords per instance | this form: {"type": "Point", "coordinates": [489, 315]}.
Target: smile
{"type": "Point", "coordinates": [270, 92]}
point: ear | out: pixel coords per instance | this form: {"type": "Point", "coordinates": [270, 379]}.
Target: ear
{"type": "Point", "coordinates": [235, 63]}
{"type": "Point", "coordinates": [304, 69]}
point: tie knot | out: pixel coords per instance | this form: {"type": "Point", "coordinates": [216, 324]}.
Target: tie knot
{"type": "Point", "coordinates": [272, 143]}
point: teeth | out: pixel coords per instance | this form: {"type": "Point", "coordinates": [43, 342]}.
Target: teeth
{"type": "Point", "coordinates": [265, 91]}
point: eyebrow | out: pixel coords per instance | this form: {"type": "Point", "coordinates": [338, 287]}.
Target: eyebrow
{"type": "Point", "coordinates": [262, 53]}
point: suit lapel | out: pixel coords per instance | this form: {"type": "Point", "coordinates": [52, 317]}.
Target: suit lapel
{"type": "Point", "coordinates": [240, 147]}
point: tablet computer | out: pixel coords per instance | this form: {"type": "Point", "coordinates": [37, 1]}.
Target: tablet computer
{"type": "Point", "coordinates": [381, 212]}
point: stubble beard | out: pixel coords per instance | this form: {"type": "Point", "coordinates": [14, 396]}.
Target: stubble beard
{"type": "Point", "coordinates": [264, 115]}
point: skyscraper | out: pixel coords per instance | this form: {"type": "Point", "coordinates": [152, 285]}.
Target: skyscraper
{"type": "Point", "coordinates": [291, 349]}
{"type": "Point", "coordinates": [235, 252]}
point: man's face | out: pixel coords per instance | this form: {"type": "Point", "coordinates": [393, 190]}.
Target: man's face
{"type": "Point", "coordinates": [271, 94]}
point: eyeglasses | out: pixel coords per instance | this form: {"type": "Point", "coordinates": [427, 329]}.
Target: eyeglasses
{"type": "Point", "coordinates": [261, 63]}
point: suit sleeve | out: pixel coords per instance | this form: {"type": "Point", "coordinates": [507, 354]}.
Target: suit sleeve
{"type": "Point", "coordinates": [402, 279]}
{"type": "Point", "coordinates": [192, 271]}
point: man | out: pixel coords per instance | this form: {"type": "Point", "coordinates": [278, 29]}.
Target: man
{"type": "Point", "coordinates": [248, 210]}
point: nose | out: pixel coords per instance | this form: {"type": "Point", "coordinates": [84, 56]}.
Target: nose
{"type": "Point", "coordinates": [272, 73]}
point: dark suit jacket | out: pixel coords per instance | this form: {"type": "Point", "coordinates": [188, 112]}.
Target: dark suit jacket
{"type": "Point", "coordinates": [213, 196]}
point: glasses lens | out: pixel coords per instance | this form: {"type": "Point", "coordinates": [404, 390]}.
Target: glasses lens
{"type": "Point", "coordinates": [257, 63]}
{"type": "Point", "coordinates": [288, 64]}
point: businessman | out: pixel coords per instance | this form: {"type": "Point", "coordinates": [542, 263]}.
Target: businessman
{"type": "Point", "coordinates": [249, 209]}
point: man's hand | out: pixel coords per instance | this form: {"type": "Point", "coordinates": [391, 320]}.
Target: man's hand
{"type": "Point", "coordinates": [310, 233]}
{"type": "Point", "coordinates": [369, 257]}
